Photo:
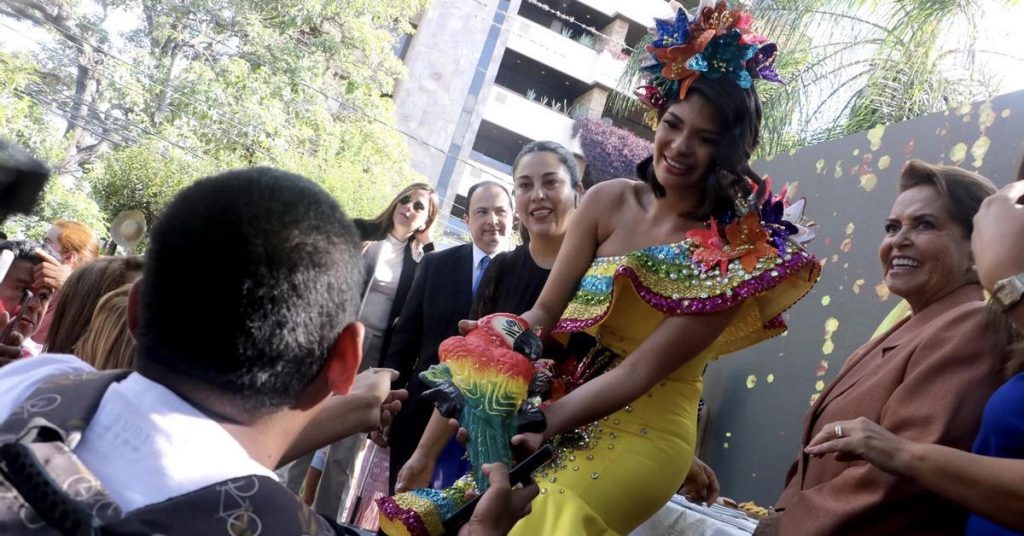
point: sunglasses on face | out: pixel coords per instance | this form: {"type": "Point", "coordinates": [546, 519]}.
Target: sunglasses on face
{"type": "Point", "coordinates": [417, 206]}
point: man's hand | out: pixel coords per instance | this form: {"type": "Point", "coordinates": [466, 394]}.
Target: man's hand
{"type": "Point", "coordinates": [701, 484]}
{"type": "Point", "coordinates": [501, 505]}
{"type": "Point", "coordinates": [376, 383]}
{"type": "Point", "coordinates": [10, 347]}
{"type": "Point", "coordinates": [49, 273]}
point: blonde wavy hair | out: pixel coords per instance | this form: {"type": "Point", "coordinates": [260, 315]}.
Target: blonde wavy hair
{"type": "Point", "coordinates": [107, 343]}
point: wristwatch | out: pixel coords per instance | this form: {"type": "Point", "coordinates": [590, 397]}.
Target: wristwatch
{"type": "Point", "coordinates": [1007, 292]}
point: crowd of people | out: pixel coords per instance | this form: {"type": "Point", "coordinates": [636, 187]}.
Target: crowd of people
{"type": "Point", "coordinates": [278, 391]}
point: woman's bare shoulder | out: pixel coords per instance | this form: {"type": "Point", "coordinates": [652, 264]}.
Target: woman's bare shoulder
{"type": "Point", "coordinates": [615, 191]}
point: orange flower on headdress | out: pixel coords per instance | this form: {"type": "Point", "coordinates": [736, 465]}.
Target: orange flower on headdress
{"type": "Point", "coordinates": [745, 239]}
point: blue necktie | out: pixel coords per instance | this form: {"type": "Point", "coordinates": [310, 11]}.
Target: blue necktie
{"type": "Point", "coordinates": [484, 262]}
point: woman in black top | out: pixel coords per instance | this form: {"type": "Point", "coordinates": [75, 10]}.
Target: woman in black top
{"type": "Point", "coordinates": [547, 191]}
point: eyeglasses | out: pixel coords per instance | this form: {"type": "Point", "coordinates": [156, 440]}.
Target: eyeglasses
{"type": "Point", "coordinates": [417, 206]}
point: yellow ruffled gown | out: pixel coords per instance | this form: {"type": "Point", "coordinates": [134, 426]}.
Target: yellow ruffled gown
{"type": "Point", "coordinates": [616, 473]}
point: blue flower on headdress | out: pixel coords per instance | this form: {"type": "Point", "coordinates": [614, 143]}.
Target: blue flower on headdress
{"type": "Point", "coordinates": [672, 33]}
{"type": "Point", "coordinates": [726, 56]}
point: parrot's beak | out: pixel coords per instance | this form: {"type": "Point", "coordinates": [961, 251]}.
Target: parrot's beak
{"type": "Point", "coordinates": [528, 344]}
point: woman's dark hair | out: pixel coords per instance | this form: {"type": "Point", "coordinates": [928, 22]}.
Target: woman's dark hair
{"type": "Point", "coordinates": [739, 115]}
{"type": "Point", "coordinates": [564, 156]}
{"type": "Point", "coordinates": [80, 294]}
{"type": "Point", "coordinates": [378, 228]}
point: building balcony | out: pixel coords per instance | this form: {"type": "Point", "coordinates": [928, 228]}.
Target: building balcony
{"type": "Point", "coordinates": [528, 118]}
{"type": "Point", "coordinates": [567, 55]}
{"type": "Point", "coordinates": [642, 12]}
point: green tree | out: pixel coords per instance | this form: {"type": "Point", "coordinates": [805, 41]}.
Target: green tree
{"type": "Point", "coordinates": [852, 64]}
{"type": "Point", "coordinates": [24, 122]}
{"type": "Point", "coordinates": [190, 88]}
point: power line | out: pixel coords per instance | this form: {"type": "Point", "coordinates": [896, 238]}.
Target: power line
{"type": "Point", "coordinates": [150, 79]}
{"type": "Point", "coordinates": [76, 40]}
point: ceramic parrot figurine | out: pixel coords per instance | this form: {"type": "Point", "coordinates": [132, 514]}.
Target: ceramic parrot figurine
{"type": "Point", "coordinates": [482, 380]}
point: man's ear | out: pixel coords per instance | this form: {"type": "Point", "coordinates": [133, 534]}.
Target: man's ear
{"type": "Point", "coordinates": [135, 308]}
{"type": "Point", "coordinates": [70, 258]}
{"type": "Point", "coordinates": [343, 363]}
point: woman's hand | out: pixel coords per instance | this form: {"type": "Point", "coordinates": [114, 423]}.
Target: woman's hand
{"type": "Point", "coordinates": [998, 226]}
{"type": "Point", "coordinates": [701, 484]}
{"type": "Point", "coordinates": [528, 443]}
{"type": "Point", "coordinates": [49, 273]}
{"type": "Point", "coordinates": [415, 473]}
{"type": "Point", "coordinates": [861, 439]}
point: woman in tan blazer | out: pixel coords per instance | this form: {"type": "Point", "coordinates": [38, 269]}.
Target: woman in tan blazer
{"type": "Point", "coordinates": [926, 379]}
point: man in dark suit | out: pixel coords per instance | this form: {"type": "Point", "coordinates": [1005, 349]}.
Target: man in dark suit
{"type": "Point", "coordinates": [441, 295]}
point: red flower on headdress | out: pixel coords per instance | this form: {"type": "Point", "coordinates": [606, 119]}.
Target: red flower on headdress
{"type": "Point", "coordinates": [675, 60]}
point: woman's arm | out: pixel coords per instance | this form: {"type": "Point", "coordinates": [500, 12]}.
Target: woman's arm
{"type": "Point", "coordinates": [990, 487]}
{"type": "Point", "coordinates": [998, 240]}
{"type": "Point", "coordinates": [419, 468]}
{"type": "Point", "coordinates": [674, 342]}
{"type": "Point", "coordinates": [577, 252]}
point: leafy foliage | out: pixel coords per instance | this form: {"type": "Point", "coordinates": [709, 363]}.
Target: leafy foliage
{"type": "Point", "coordinates": [611, 152]}
{"type": "Point", "coordinates": [851, 65]}
{"type": "Point", "coordinates": [183, 90]}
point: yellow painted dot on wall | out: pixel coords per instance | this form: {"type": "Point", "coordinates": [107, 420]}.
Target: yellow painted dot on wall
{"type": "Point", "coordinates": [770, 378]}
{"type": "Point", "coordinates": [884, 162]}
{"type": "Point", "coordinates": [820, 166]}
{"type": "Point", "coordinates": [958, 153]}
{"type": "Point", "coordinates": [835, 258]}
{"type": "Point", "coordinates": [725, 445]}
{"type": "Point", "coordinates": [814, 398]}
{"type": "Point", "coordinates": [979, 150]}
{"type": "Point", "coordinates": [825, 300]}
{"type": "Point", "coordinates": [822, 368]}
{"type": "Point", "coordinates": [986, 116]}
{"type": "Point", "coordinates": [839, 169]}
{"type": "Point", "coordinates": [856, 286]}
{"type": "Point", "coordinates": [875, 136]}
{"type": "Point", "coordinates": [967, 118]}
{"type": "Point", "coordinates": [846, 245]}
{"type": "Point", "coordinates": [728, 434]}
{"type": "Point", "coordinates": [819, 385]}
{"type": "Point", "coordinates": [856, 152]}
{"type": "Point", "coordinates": [868, 181]}
{"type": "Point", "coordinates": [1006, 113]}
{"type": "Point", "coordinates": [831, 325]}
{"type": "Point", "coordinates": [850, 227]}
{"type": "Point", "coordinates": [751, 381]}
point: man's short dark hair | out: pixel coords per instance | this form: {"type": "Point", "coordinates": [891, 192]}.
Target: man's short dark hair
{"type": "Point", "coordinates": [250, 277]}
{"type": "Point", "coordinates": [482, 184]}
{"type": "Point", "coordinates": [25, 250]}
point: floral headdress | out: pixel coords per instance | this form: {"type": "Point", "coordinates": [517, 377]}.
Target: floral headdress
{"type": "Point", "coordinates": [717, 43]}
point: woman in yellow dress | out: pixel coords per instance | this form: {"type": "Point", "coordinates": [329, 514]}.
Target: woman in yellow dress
{"type": "Point", "coordinates": [667, 274]}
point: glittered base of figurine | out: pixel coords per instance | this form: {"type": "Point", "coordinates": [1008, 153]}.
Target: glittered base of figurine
{"type": "Point", "coordinates": [422, 512]}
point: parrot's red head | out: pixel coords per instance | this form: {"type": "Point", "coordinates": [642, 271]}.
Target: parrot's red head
{"type": "Point", "coordinates": [514, 331]}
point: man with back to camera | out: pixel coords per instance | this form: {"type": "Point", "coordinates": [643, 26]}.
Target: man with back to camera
{"type": "Point", "coordinates": [234, 376]}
